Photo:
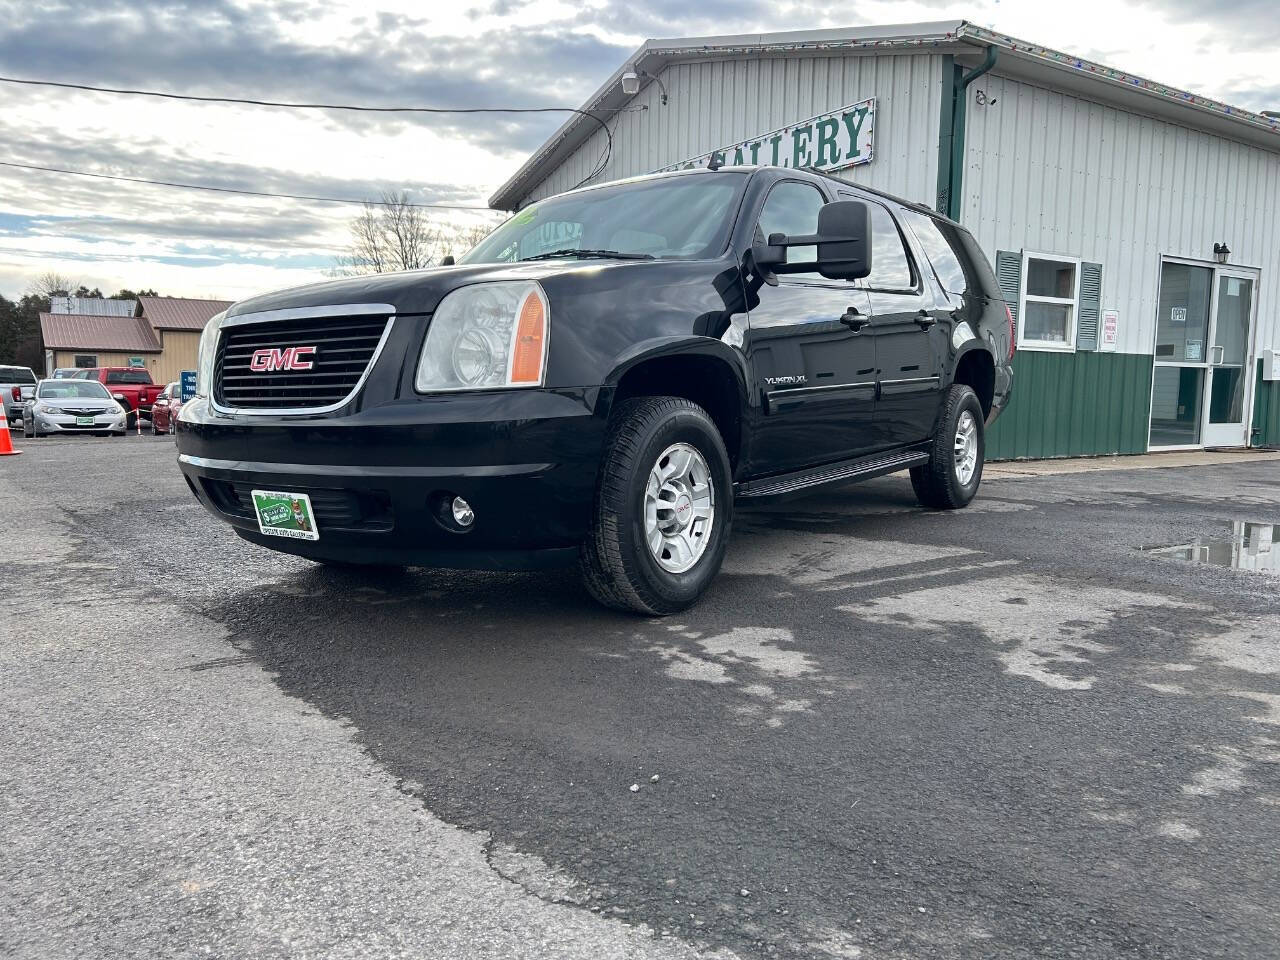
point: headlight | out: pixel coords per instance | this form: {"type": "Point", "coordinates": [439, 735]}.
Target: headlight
{"type": "Point", "coordinates": [205, 354]}
{"type": "Point", "coordinates": [41, 407]}
{"type": "Point", "coordinates": [486, 336]}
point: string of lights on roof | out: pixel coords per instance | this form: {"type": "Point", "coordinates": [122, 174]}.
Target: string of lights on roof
{"type": "Point", "coordinates": [1013, 45]}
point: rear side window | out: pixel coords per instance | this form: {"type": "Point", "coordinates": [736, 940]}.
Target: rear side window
{"type": "Point", "coordinates": [890, 265]}
{"type": "Point", "coordinates": [933, 236]}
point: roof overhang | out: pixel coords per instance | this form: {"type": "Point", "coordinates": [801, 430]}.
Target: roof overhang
{"type": "Point", "coordinates": [969, 43]}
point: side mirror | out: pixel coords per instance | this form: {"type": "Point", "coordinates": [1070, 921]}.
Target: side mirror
{"type": "Point", "coordinates": [844, 240]}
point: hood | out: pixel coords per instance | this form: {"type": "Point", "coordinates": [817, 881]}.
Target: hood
{"type": "Point", "coordinates": [80, 403]}
{"type": "Point", "coordinates": [416, 291]}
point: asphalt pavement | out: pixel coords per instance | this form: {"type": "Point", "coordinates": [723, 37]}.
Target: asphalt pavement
{"type": "Point", "coordinates": [886, 732]}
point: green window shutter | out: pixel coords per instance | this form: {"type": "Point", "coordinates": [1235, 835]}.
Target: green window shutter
{"type": "Point", "coordinates": [1090, 299]}
{"type": "Point", "coordinates": [1009, 277]}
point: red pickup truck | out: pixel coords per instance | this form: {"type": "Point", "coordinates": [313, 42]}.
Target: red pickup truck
{"type": "Point", "coordinates": [132, 388]}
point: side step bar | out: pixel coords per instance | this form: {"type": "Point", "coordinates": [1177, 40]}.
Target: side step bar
{"type": "Point", "coordinates": [847, 471]}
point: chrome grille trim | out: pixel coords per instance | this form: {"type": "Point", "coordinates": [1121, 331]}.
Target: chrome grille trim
{"type": "Point", "coordinates": [336, 310]}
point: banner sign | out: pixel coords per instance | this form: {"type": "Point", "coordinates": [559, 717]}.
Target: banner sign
{"type": "Point", "coordinates": [188, 378]}
{"type": "Point", "coordinates": [830, 141]}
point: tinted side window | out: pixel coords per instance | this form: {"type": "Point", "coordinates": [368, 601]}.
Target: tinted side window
{"type": "Point", "coordinates": [946, 265]}
{"type": "Point", "coordinates": [890, 268]}
{"type": "Point", "coordinates": [792, 208]}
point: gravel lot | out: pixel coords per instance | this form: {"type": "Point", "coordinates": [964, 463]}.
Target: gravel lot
{"type": "Point", "coordinates": [885, 733]}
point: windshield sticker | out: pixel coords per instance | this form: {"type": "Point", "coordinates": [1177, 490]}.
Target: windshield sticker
{"type": "Point", "coordinates": [526, 215]}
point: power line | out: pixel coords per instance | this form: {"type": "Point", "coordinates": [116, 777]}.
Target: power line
{"type": "Point", "coordinates": [246, 193]}
{"type": "Point", "coordinates": [329, 106]}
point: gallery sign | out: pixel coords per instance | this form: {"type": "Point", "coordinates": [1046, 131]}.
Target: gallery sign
{"type": "Point", "coordinates": [830, 141]}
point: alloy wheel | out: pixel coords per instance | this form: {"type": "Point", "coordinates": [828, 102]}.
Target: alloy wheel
{"type": "Point", "coordinates": [679, 508]}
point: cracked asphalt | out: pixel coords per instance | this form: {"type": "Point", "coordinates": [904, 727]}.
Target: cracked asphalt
{"type": "Point", "coordinates": [886, 732]}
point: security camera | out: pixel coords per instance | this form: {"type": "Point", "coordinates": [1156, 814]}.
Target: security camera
{"type": "Point", "coordinates": [631, 83]}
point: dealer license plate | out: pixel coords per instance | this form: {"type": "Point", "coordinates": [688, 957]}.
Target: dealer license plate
{"type": "Point", "coordinates": [282, 514]}
{"type": "Point", "coordinates": [84, 421]}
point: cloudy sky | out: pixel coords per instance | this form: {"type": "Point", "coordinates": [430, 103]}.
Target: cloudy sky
{"type": "Point", "coordinates": [511, 53]}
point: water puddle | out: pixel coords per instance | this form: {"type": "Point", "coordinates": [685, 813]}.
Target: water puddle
{"type": "Point", "coordinates": [1250, 546]}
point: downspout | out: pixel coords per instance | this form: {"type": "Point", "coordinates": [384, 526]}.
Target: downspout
{"type": "Point", "coordinates": [951, 147]}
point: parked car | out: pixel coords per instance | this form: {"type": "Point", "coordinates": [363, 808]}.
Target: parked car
{"type": "Point", "coordinates": [602, 377]}
{"type": "Point", "coordinates": [131, 386]}
{"type": "Point", "coordinates": [72, 406]}
{"type": "Point", "coordinates": [16, 384]}
{"type": "Point", "coordinates": [164, 412]}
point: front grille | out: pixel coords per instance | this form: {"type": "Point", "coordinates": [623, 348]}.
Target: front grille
{"type": "Point", "coordinates": [78, 412]}
{"type": "Point", "coordinates": [332, 508]}
{"type": "Point", "coordinates": [344, 348]}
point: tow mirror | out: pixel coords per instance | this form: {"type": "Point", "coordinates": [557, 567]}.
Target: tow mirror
{"type": "Point", "coordinates": [843, 241]}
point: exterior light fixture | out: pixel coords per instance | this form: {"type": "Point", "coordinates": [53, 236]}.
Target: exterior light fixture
{"type": "Point", "coordinates": [631, 83]}
{"type": "Point", "coordinates": [1221, 252]}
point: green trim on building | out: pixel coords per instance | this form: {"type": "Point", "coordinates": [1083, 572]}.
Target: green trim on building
{"type": "Point", "coordinates": [1266, 412]}
{"type": "Point", "coordinates": [1075, 405]}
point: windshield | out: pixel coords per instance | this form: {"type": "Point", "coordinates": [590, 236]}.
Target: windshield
{"type": "Point", "coordinates": [72, 389]}
{"type": "Point", "coordinates": [684, 218]}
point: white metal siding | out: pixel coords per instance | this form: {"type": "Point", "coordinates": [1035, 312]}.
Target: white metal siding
{"type": "Point", "coordinates": [1053, 173]}
{"type": "Point", "coordinates": [714, 103]}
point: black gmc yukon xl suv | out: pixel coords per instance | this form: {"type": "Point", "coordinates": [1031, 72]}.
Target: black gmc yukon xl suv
{"type": "Point", "coordinates": [601, 378]}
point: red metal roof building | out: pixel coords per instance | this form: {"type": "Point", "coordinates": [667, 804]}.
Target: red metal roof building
{"type": "Point", "coordinates": [163, 338]}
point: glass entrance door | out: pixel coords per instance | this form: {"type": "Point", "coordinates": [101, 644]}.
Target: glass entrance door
{"type": "Point", "coordinates": [1228, 360]}
{"type": "Point", "coordinates": [1201, 387]}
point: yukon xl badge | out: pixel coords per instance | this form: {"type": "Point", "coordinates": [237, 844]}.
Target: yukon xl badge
{"type": "Point", "coordinates": [795, 381]}
{"type": "Point", "coordinates": [271, 359]}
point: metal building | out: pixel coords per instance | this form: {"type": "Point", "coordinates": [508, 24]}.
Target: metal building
{"type": "Point", "coordinates": [1132, 224]}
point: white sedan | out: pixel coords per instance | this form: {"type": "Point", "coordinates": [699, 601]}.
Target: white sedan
{"type": "Point", "coordinates": [72, 406]}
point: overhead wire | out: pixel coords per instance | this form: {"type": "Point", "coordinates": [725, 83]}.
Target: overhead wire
{"type": "Point", "coordinates": [298, 105]}
{"type": "Point", "coordinates": [247, 193]}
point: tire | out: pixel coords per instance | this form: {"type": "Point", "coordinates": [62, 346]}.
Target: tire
{"type": "Point", "coordinates": [619, 567]}
{"type": "Point", "coordinates": [939, 483]}
{"type": "Point", "coordinates": [28, 432]}
{"type": "Point", "coordinates": [154, 431]}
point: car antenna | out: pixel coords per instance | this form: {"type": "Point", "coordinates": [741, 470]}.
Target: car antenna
{"type": "Point", "coordinates": [716, 161]}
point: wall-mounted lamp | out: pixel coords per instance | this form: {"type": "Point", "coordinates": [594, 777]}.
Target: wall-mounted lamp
{"type": "Point", "coordinates": [631, 83]}
{"type": "Point", "coordinates": [1221, 252]}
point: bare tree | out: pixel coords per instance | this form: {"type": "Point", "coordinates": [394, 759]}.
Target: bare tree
{"type": "Point", "coordinates": [51, 284]}
{"type": "Point", "coordinates": [396, 235]}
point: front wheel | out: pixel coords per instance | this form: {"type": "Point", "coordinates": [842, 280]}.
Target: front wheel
{"type": "Point", "coordinates": [951, 477]}
{"type": "Point", "coordinates": [155, 431]}
{"type": "Point", "coordinates": [663, 508]}
{"type": "Point", "coordinates": [28, 432]}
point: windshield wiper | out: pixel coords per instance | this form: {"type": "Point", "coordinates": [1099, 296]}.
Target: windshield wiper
{"type": "Point", "coordinates": [589, 254]}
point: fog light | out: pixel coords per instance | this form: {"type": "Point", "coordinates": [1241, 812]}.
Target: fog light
{"type": "Point", "coordinates": [463, 515]}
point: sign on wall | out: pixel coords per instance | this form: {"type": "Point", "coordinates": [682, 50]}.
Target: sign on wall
{"type": "Point", "coordinates": [830, 141]}
{"type": "Point", "coordinates": [1110, 330]}
{"type": "Point", "coordinates": [188, 378]}
{"type": "Point", "coordinates": [136, 362]}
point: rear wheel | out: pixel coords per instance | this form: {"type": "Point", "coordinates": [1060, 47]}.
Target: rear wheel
{"type": "Point", "coordinates": [951, 477]}
{"type": "Point", "coordinates": [663, 508]}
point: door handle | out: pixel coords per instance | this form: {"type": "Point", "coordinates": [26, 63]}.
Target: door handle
{"type": "Point", "coordinates": [854, 320]}
{"type": "Point", "coordinates": [925, 319]}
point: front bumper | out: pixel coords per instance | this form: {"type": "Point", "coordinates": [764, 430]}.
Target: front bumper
{"type": "Point", "coordinates": [66, 423]}
{"type": "Point", "coordinates": [525, 460]}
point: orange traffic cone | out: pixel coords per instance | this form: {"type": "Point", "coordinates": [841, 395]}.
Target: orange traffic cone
{"type": "Point", "coordinates": [6, 442]}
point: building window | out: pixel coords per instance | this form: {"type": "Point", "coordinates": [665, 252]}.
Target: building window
{"type": "Point", "coordinates": [1050, 302]}
{"type": "Point", "coordinates": [86, 360]}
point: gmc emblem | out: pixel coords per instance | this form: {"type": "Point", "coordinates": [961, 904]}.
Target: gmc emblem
{"type": "Point", "coordinates": [271, 359]}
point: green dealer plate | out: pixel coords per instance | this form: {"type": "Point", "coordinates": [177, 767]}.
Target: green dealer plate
{"type": "Point", "coordinates": [84, 421]}
{"type": "Point", "coordinates": [282, 514]}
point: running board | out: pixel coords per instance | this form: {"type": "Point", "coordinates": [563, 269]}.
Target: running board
{"type": "Point", "coordinates": [847, 471]}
